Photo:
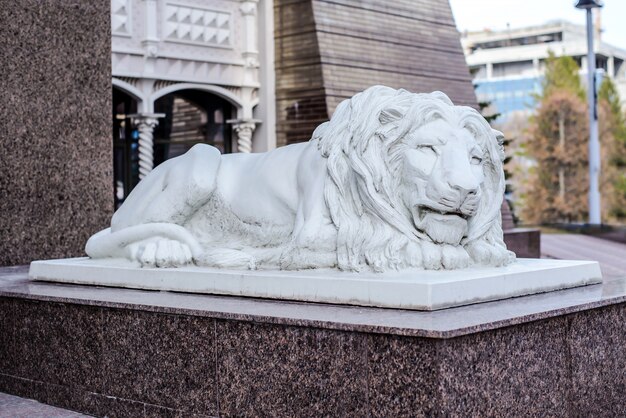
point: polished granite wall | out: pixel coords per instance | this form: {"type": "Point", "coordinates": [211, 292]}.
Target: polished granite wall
{"type": "Point", "coordinates": [128, 353]}
{"type": "Point", "coordinates": [524, 242]}
{"type": "Point", "coordinates": [55, 112]}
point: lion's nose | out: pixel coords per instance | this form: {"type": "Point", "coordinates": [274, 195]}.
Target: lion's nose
{"type": "Point", "coordinates": [463, 182]}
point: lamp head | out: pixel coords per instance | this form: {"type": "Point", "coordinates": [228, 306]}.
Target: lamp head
{"type": "Point", "coordinates": [588, 4]}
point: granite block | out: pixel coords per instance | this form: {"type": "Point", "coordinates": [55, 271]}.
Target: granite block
{"type": "Point", "coordinates": [56, 395]}
{"type": "Point", "coordinates": [24, 388]}
{"type": "Point", "coordinates": [290, 371]}
{"type": "Point", "coordinates": [402, 376]}
{"type": "Point", "coordinates": [15, 407]}
{"type": "Point", "coordinates": [71, 398]}
{"type": "Point", "coordinates": [57, 343]}
{"type": "Point", "coordinates": [56, 166]}
{"type": "Point", "coordinates": [520, 371]}
{"type": "Point", "coordinates": [597, 345]}
{"type": "Point", "coordinates": [111, 407]}
{"type": "Point", "coordinates": [164, 360]}
{"type": "Point", "coordinates": [153, 411]}
{"type": "Point", "coordinates": [524, 242]}
{"type": "Point", "coordinates": [7, 343]}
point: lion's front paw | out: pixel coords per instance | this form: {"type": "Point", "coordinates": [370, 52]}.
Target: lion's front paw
{"type": "Point", "coordinates": [431, 255]}
{"type": "Point", "coordinates": [454, 257]}
{"type": "Point", "coordinates": [160, 253]}
{"type": "Point", "coordinates": [490, 255]}
{"type": "Point", "coordinates": [449, 257]}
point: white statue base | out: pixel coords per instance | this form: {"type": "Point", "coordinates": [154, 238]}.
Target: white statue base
{"type": "Point", "coordinates": [409, 289]}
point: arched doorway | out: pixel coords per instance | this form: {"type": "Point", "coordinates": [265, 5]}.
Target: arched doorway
{"type": "Point", "coordinates": [191, 117]}
{"type": "Point", "coordinates": [125, 153]}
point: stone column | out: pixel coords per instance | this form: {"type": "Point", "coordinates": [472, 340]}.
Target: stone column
{"type": "Point", "coordinates": [489, 70]}
{"type": "Point", "coordinates": [610, 66]}
{"type": "Point", "coordinates": [145, 123]}
{"type": "Point", "coordinates": [250, 53]}
{"type": "Point", "coordinates": [150, 42]}
{"type": "Point", "coordinates": [244, 126]}
{"type": "Point", "coordinates": [265, 134]}
{"type": "Point", "coordinates": [244, 131]}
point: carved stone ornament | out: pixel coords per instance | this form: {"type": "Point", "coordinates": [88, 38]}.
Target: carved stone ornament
{"type": "Point", "coordinates": [394, 180]}
{"type": "Point", "coordinates": [244, 131]}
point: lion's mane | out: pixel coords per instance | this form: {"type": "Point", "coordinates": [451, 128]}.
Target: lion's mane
{"type": "Point", "coordinates": [374, 228]}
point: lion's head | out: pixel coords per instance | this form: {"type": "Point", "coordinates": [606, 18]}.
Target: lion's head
{"type": "Point", "coordinates": [413, 181]}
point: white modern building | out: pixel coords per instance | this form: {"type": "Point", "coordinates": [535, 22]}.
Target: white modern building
{"type": "Point", "coordinates": [507, 66]}
{"type": "Point", "coordinates": [188, 71]}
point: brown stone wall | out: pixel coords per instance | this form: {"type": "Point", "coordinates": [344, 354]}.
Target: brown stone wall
{"type": "Point", "coordinates": [332, 49]}
{"type": "Point", "coordinates": [300, 96]}
{"type": "Point", "coordinates": [55, 112]}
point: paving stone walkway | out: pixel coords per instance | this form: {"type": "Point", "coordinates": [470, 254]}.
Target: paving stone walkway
{"type": "Point", "coordinates": [16, 407]}
{"type": "Point", "coordinates": [611, 255]}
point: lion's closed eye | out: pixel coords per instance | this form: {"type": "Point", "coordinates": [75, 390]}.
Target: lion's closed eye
{"type": "Point", "coordinates": [427, 147]}
{"type": "Point", "coordinates": [425, 158]}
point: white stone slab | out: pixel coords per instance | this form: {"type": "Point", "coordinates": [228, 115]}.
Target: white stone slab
{"type": "Point", "coordinates": [412, 289]}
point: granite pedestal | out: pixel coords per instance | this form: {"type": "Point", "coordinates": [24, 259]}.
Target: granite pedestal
{"type": "Point", "coordinates": [133, 353]}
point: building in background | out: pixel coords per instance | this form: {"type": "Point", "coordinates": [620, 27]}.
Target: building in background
{"type": "Point", "coordinates": [250, 75]}
{"type": "Point", "coordinates": [186, 72]}
{"type": "Point", "coordinates": [326, 51]}
{"type": "Point", "coordinates": [507, 66]}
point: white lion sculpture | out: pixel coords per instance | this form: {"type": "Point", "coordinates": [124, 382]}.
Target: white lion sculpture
{"type": "Point", "coordinates": [394, 180]}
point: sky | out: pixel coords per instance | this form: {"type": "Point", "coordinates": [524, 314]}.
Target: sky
{"type": "Point", "coordinates": [495, 14]}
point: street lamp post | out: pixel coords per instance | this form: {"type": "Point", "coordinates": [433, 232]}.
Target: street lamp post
{"type": "Point", "coordinates": [594, 143]}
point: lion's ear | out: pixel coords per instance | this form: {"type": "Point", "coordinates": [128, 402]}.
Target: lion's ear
{"type": "Point", "coordinates": [501, 139]}
{"type": "Point", "coordinates": [390, 114]}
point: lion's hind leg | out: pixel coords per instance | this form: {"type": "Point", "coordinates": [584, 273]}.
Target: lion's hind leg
{"type": "Point", "coordinates": [148, 227]}
{"type": "Point", "coordinates": [173, 191]}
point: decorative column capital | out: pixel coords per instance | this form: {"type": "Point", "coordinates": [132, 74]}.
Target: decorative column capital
{"type": "Point", "coordinates": [148, 119]}
{"type": "Point", "coordinates": [250, 59]}
{"type": "Point", "coordinates": [248, 7]}
{"type": "Point", "coordinates": [150, 47]}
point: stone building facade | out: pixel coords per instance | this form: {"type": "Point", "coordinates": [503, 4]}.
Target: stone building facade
{"type": "Point", "coordinates": [188, 71]}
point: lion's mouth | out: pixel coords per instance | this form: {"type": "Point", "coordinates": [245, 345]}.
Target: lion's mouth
{"type": "Point", "coordinates": [424, 210]}
{"type": "Point", "coordinates": [442, 226]}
